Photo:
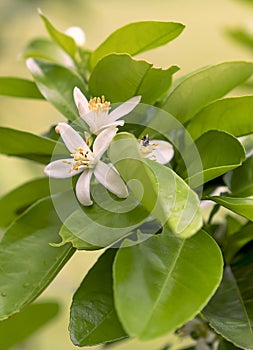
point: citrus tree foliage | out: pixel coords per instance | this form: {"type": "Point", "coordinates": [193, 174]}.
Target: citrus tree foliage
{"type": "Point", "coordinates": [136, 189]}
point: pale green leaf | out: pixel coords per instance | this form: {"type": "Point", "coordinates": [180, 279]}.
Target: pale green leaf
{"type": "Point", "coordinates": [205, 86]}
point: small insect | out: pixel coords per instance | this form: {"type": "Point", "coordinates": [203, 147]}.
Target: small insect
{"type": "Point", "coordinates": [145, 140]}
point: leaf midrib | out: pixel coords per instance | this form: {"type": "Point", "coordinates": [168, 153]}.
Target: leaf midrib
{"type": "Point", "coordinates": [163, 287]}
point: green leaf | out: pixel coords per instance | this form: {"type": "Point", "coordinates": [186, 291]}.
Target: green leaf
{"type": "Point", "coordinates": [56, 83]}
{"type": "Point", "coordinates": [18, 200]}
{"type": "Point", "coordinates": [164, 282]}
{"type": "Point", "coordinates": [45, 49]}
{"type": "Point", "coordinates": [22, 325]}
{"type": "Point", "coordinates": [241, 36]}
{"type": "Point", "coordinates": [108, 220]}
{"type": "Point", "coordinates": [67, 43]}
{"type": "Point", "coordinates": [238, 240]}
{"type": "Point", "coordinates": [30, 146]}
{"type": "Point", "coordinates": [225, 345]}
{"type": "Point", "coordinates": [225, 115]}
{"type": "Point", "coordinates": [205, 86]}
{"type": "Point", "coordinates": [27, 262]}
{"type": "Point", "coordinates": [17, 87]}
{"type": "Point", "coordinates": [120, 77]}
{"type": "Point", "coordinates": [230, 311]}
{"type": "Point", "coordinates": [155, 84]}
{"type": "Point", "coordinates": [241, 206]}
{"type": "Point", "coordinates": [240, 181]}
{"type": "Point", "coordinates": [137, 37]}
{"type": "Point", "coordinates": [219, 152]}
{"type": "Point", "coordinates": [164, 194]}
{"type": "Point", "coordinates": [93, 318]}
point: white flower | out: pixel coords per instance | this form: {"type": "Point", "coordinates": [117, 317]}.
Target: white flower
{"type": "Point", "coordinates": [87, 162]}
{"type": "Point", "coordinates": [158, 150]}
{"type": "Point", "coordinates": [77, 34]}
{"type": "Point", "coordinates": [96, 114]}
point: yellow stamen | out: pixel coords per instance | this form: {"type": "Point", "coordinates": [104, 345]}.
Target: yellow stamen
{"type": "Point", "coordinates": [97, 104]}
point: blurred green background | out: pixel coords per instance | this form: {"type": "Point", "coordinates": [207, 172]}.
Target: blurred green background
{"type": "Point", "coordinates": [203, 42]}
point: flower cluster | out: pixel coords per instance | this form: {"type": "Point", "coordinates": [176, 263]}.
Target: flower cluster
{"type": "Point", "coordinates": [86, 161]}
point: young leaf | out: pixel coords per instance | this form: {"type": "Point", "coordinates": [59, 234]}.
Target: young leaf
{"type": "Point", "coordinates": [45, 49]}
{"type": "Point", "coordinates": [27, 262]}
{"type": "Point", "coordinates": [225, 115]}
{"type": "Point", "coordinates": [219, 152]}
{"type": "Point", "coordinates": [205, 86]}
{"type": "Point", "coordinates": [164, 282]}
{"type": "Point", "coordinates": [137, 37]}
{"type": "Point", "coordinates": [21, 326]}
{"type": "Point", "coordinates": [26, 145]}
{"type": "Point", "coordinates": [119, 77]}
{"type": "Point", "coordinates": [67, 43]}
{"type": "Point", "coordinates": [17, 87]}
{"type": "Point", "coordinates": [240, 180]}
{"type": "Point", "coordinates": [230, 311]}
{"type": "Point", "coordinates": [164, 194]}
{"type": "Point", "coordinates": [56, 83]}
{"type": "Point", "coordinates": [93, 318]}
{"type": "Point", "coordinates": [241, 206]}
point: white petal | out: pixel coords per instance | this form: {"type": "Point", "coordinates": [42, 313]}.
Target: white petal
{"type": "Point", "coordinates": [77, 34]}
{"type": "Point", "coordinates": [81, 102]}
{"type": "Point", "coordinates": [124, 108]}
{"type": "Point", "coordinates": [61, 169]}
{"type": "Point", "coordinates": [103, 141]}
{"type": "Point", "coordinates": [71, 137]}
{"type": "Point", "coordinates": [90, 120]}
{"type": "Point", "coordinates": [164, 152]}
{"type": "Point", "coordinates": [108, 177]}
{"type": "Point", "coordinates": [83, 188]}
{"type": "Point", "coordinates": [117, 123]}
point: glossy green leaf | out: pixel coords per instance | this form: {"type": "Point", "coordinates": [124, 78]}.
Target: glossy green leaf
{"type": "Point", "coordinates": [48, 50]}
{"type": "Point", "coordinates": [27, 145]}
{"type": "Point", "coordinates": [238, 240]}
{"type": "Point", "coordinates": [137, 37]}
{"type": "Point", "coordinates": [219, 152]}
{"type": "Point", "coordinates": [56, 83]}
{"type": "Point", "coordinates": [120, 77]}
{"type": "Point", "coordinates": [27, 261]}
{"type": "Point", "coordinates": [67, 43]}
{"type": "Point", "coordinates": [240, 181]}
{"type": "Point", "coordinates": [233, 115]}
{"type": "Point", "coordinates": [18, 200]}
{"type": "Point", "coordinates": [164, 194]}
{"type": "Point", "coordinates": [155, 84]}
{"type": "Point", "coordinates": [241, 206]}
{"type": "Point", "coordinates": [205, 86]}
{"type": "Point", "coordinates": [104, 223]}
{"type": "Point", "coordinates": [93, 318]}
{"type": "Point", "coordinates": [230, 311]}
{"type": "Point", "coordinates": [164, 282]}
{"type": "Point", "coordinates": [17, 87]}
{"type": "Point", "coordinates": [24, 324]}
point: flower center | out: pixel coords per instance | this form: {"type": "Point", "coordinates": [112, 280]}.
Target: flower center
{"type": "Point", "coordinates": [82, 159]}
{"type": "Point", "coordinates": [98, 104]}
{"type": "Point", "coordinates": [146, 147]}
